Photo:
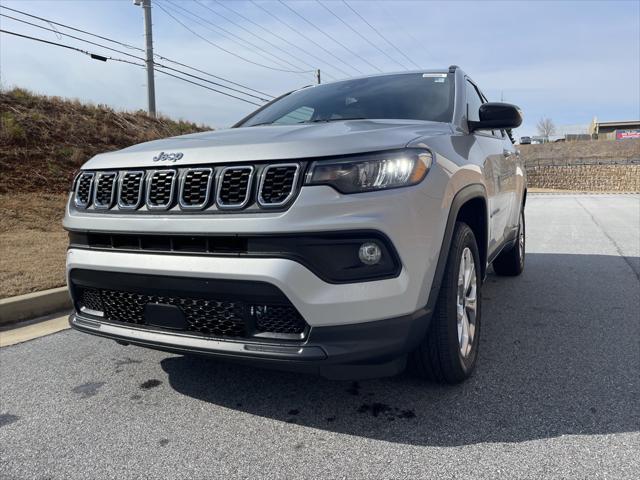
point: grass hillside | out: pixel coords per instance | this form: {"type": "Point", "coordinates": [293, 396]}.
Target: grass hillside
{"type": "Point", "coordinates": [43, 140]}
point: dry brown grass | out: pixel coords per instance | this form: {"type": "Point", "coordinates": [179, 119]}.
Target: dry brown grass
{"type": "Point", "coordinates": [32, 243]}
{"type": "Point", "coordinates": [43, 140]}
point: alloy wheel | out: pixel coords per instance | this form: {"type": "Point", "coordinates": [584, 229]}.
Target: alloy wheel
{"type": "Point", "coordinates": [466, 302]}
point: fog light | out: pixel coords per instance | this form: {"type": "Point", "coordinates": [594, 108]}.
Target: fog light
{"type": "Point", "coordinates": [369, 253]}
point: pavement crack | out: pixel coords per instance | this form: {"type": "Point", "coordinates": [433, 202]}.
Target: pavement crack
{"type": "Point", "coordinates": [611, 239]}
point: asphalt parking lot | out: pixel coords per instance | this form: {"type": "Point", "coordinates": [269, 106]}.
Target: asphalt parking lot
{"type": "Point", "coordinates": [555, 395]}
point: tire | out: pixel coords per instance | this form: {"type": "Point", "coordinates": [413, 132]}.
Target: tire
{"type": "Point", "coordinates": [444, 356]}
{"type": "Point", "coordinates": [510, 263]}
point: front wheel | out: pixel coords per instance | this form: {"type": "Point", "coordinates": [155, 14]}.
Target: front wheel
{"type": "Point", "coordinates": [449, 351]}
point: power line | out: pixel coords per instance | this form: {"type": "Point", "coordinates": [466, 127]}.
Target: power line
{"type": "Point", "coordinates": [200, 19]}
{"type": "Point", "coordinates": [407, 32]}
{"type": "Point", "coordinates": [360, 34]}
{"type": "Point", "coordinates": [104, 59]}
{"type": "Point", "coordinates": [133, 48]}
{"type": "Point", "coordinates": [278, 37]}
{"type": "Point", "coordinates": [208, 88]}
{"type": "Point", "coordinates": [233, 22]}
{"type": "Point", "coordinates": [209, 81]}
{"type": "Point", "coordinates": [72, 28]}
{"type": "Point", "coordinates": [304, 36]}
{"type": "Point", "coordinates": [46, 41]}
{"type": "Point", "coordinates": [331, 38]}
{"type": "Point", "coordinates": [327, 51]}
{"type": "Point", "coordinates": [219, 47]}
{"type": "Point", "coordinates": [136, 57]}
{"type": "Point", "coordinates": [213, 76]}
{"type": "Point", "coordinates": [380, 34]}
{"type": "Point", "coordinates": [71, 36]}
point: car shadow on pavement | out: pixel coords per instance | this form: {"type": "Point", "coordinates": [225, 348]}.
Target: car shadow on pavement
{"type": "Point", "coordinates": [559, 356]}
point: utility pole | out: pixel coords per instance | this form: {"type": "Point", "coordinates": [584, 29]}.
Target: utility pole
{"type": "Point", "coordinates": [148, 37]}
{"type": "Point", "coordinates": [318, 76]}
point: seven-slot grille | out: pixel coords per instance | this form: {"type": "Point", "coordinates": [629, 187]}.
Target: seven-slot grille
{"type": "Point", "coordinates": [130, 194]}
{"type": "Point", "coordinates": [105, 189]}
{"type": "Point", "coordinates": [160, 189]}
{"type": "Point", "coordinates": [196, 184]}
{"type": "Point", "coordinates": [234, 187]}
{"type": "Point", "coordinates": [244, 187]}
{"type": "Point", "coordinates": [277, 184]}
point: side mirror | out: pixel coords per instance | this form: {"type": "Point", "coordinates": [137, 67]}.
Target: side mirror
{"type": "Point", "coordinates": [497, 116]}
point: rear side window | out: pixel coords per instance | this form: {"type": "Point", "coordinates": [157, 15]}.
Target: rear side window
{"type": "Point", "coordinates": [473, 102]}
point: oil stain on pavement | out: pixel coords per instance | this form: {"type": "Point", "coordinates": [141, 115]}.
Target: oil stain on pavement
{"type": "Point", "coordinates": [7, 419]}
{"type": "Point", "coordinates": [149, 384]}
{"type": "Point", "coordinates": [87, 390]}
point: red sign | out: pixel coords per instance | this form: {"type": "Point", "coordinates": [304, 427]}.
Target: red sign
{"type": "Point", "coordinates": [624, 134]}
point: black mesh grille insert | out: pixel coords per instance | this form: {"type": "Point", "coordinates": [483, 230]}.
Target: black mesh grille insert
{"type": "Point", "coordinates": [130, 189]}
{"type": "Point", "coordinates": [195, 188]}
{"type": "Point", "coordinates": [210, 317]}
{"type": "Point", "coordinates": [234, 186]}
{"type": "Point", "coordinates": [83, 190]}
{"type": "Point", "coordinates": [277, 319]}
{"type": "Point", "coordinates": [160, 189]}
{"type": "Point", "coordinates": [105, 185]}
{"type": "Point", "coordinates": [91, 299]}
{"type": "Point", "coordinates": [278, 184]}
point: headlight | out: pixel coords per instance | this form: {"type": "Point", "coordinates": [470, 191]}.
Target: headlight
{"type": "Point", "coordinates": [375, 171]}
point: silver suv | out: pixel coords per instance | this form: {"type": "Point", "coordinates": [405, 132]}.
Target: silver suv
{"type": "Point", "coordinates": [341, 229]}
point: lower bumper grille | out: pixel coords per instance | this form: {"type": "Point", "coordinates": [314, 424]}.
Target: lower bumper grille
{"type": "Point", "coordinates": [205, 316]}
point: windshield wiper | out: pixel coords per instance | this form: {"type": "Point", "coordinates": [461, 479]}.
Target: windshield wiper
{"type": "Point", "coordinates": [322, 120]}
{"type": "Point", "coordinates": [319, 120]}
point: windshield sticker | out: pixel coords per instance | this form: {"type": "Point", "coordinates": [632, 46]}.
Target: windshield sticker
{"type": "Point", "coordinates": [434, 75]}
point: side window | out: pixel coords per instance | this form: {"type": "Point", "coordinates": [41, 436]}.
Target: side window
{"type": "Point", "coordinates": [473, 102]}
{"type": "Point", "coordinates": [302, 114]}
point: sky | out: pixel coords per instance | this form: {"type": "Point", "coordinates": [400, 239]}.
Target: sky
{"type": "Point", "coordinates": [569, 61]}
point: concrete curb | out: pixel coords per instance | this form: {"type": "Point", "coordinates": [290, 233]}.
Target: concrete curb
{"type": "Point", "coordinates": [32, 305]}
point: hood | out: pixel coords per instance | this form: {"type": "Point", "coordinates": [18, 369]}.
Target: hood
{"type": "Point", "coordinates": [272, 142]}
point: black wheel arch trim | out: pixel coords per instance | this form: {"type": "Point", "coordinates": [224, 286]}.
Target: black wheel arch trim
{"type": "Point", "coordinates": [466, 194]}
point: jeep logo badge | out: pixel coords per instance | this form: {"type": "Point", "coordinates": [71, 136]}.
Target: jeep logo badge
{"type": "Point", "coordinates": [169, 157]}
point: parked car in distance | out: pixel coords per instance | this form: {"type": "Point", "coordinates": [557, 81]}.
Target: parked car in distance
{"type": "Point", "coordinates": [343, 229]}
{"type": "Point", "coordinates": [525, 140]}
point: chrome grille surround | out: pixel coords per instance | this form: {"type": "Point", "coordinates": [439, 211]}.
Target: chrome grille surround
{"type": "Point", "coordinates": [84, 188]}
{"type": "Point", "coordinates": [209, 189]}
{"type": "Point", "coordinates": [287, 184]}
{"type": "Point", "coordinates": [104, 186]}
{"type": "Point", "coordinates": [127, 188]}
{"type": "Point", "coordinates": [184, 183]}
{"type": "Point", "coordinates": [220, 190]}
{"type": "Point", "coordinates": [157, 179]}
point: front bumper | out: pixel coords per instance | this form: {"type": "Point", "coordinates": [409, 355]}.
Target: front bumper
{"type": "Point", "coordinates": [413, 221]}
{"type": "Point", "coordinates": [355, 329]}
{"type": "Point", "coordinates": [365, 350]}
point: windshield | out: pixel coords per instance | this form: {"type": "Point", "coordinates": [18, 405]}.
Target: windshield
{"type": "Point", "coordinates": [412, 96]}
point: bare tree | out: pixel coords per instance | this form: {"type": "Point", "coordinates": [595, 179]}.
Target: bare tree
{"type": "Point", "coordinates": [546, 128]}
